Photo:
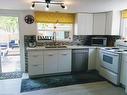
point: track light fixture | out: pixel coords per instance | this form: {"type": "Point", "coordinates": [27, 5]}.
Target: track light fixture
{"type": "Point", "coordinates": [48, 2]}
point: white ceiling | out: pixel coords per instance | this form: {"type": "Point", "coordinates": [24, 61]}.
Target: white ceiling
{"type": "Point", "coordinates": [73, 5]}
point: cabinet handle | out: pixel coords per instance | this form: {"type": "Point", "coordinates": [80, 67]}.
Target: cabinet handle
{"type": "Point", "coordinates": [35, 55]}
{"type": "Point", "coordinates": [64, 54]}
{"type": "Point", "coordinates": [35, 65]}
{"type": "Point", "coordinates": [50, 54]}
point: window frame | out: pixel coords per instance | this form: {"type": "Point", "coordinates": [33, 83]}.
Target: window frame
{"type": "Point", "coordinates": [65, 40]}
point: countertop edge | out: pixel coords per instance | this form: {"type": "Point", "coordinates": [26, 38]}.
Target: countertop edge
{"type": "Point", "coordinates": [68, 48]}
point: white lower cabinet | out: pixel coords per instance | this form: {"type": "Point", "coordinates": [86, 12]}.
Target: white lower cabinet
{"type": "Point", "coordinates": [123, 75]}
{"type": "Point", "coordinates": [98, 59]}
{"type": "Point", "coordinates": [64, 61]}
{"type": "Point", "coordinates": [50, 62]}
{"type": "Point", "coordinates": [35, 62]}
{"type": "Point", "coordinates": [92, 59]}
{"type": "Point", "coordinates": [36, 69]}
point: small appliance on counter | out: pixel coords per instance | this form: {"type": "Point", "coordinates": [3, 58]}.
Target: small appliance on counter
{"type": "Point", "coordinates": [32, 44]}
{"type": "Point", "coordinates": [99, 41]}
{"type": "Point", "coordinates": [31, 41]}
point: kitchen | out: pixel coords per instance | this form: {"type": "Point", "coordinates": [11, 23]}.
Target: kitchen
{"type": "Point", "coordinates": [102, 24]}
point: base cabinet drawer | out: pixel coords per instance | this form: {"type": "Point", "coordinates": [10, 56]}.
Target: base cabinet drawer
{"type": "Point", "coordinates": [35, 69]}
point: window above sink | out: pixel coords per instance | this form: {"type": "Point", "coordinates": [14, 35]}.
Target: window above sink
{"type": "Point", "coordinates": [63, 32]}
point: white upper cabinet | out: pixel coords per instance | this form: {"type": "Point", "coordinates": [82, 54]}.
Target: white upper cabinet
{"type": "Point", "coordinates": [84, 24]}
{"type": "Point", "coordinates": [113, 23]}
{"type": "Point", "coordinates": [108, 23]}
{"type": "Point", "coordinates": [99, 24]}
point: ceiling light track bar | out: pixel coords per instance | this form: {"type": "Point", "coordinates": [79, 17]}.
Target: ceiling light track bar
{"type": "Point", "coordinates": [47, 2]}
{"type": "Point", "coordinates": [37, 2]}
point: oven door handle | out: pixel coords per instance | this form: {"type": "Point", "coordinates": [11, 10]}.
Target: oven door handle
{"type": "Point", "coordinates": [112, 54]}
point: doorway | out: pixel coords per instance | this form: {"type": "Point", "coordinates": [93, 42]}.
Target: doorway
{"type": "Point", "coordinates": [9, 44]}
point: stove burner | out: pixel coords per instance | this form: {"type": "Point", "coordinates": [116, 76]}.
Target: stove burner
{"type": "Point", "coordinates": [108, 48]}
{"type": "Point", "coordinates": [114, 48]}
{"type": "Point", "coordinates": [119, 51]}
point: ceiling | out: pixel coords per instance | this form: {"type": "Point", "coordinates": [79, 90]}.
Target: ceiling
{"type": "Point", "coordinates": [73, 5]}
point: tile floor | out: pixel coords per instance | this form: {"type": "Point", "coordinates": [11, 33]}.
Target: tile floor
{"type": "Point", "coordinates": [12, 87]}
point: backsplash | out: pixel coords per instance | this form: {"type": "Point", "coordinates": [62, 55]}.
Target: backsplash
{"type": "Point", "coordinates": [77, 40]}
{"type": "Point", "coordinates": [86, 39]}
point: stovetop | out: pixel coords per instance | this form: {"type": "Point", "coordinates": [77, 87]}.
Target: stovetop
{"type": "Point", "coordinates": [115, 50]}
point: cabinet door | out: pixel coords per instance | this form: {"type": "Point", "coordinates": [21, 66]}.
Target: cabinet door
{"type": "Point", "coordinates": [109, 23]}
{"type": "Point", "coordinates": [50, 62]}
{"type": "Point", "coordinates": [92, 60]}
{"type": "Point", "coordinates": [123, 75]}
{"type": "Point", "coordinates": [99, 24]}
{"type": "Point", "coordinates": [35, 63]}
{"type": "Point", "coordinates": [98, 59]}
{"type": "Point", "coordinates": [84, 24]}
{"type": "Point", "coordinates": [64, 61]}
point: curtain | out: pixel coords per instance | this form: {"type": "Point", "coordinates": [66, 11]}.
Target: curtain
{"type": "Point", "coordinates": [123, 30]}
{"type": "Point", "coordinates": [124, 14]}
{"type": "Point", "coordinates": [54, 17]}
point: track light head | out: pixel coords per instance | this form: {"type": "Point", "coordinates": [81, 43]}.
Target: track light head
{"type": "Point", "coordinates": [47, 7]}
{"type": "Point", "coordinates": [63, 6]}
{"type": "Point", "coordinates": [33, 5]}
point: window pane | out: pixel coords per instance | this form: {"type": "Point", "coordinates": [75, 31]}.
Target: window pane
{"type": "Point", "coordinates": [124, 28]}
{"type": "Point", "coordinates": [63, 31]}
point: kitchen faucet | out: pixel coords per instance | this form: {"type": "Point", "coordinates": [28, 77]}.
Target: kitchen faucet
{"type": "Point", "coordinates": [54, 38]}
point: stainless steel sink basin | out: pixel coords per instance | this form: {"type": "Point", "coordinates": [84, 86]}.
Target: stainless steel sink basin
{"type": "Point", "coordinates": [55, 46]}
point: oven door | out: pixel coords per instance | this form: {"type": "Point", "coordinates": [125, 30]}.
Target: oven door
{"type": "Point", "coordinates": [110, 61]}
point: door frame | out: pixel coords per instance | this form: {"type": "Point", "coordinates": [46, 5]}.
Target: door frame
{"type": "Point", "coordinates": [13, 14]}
